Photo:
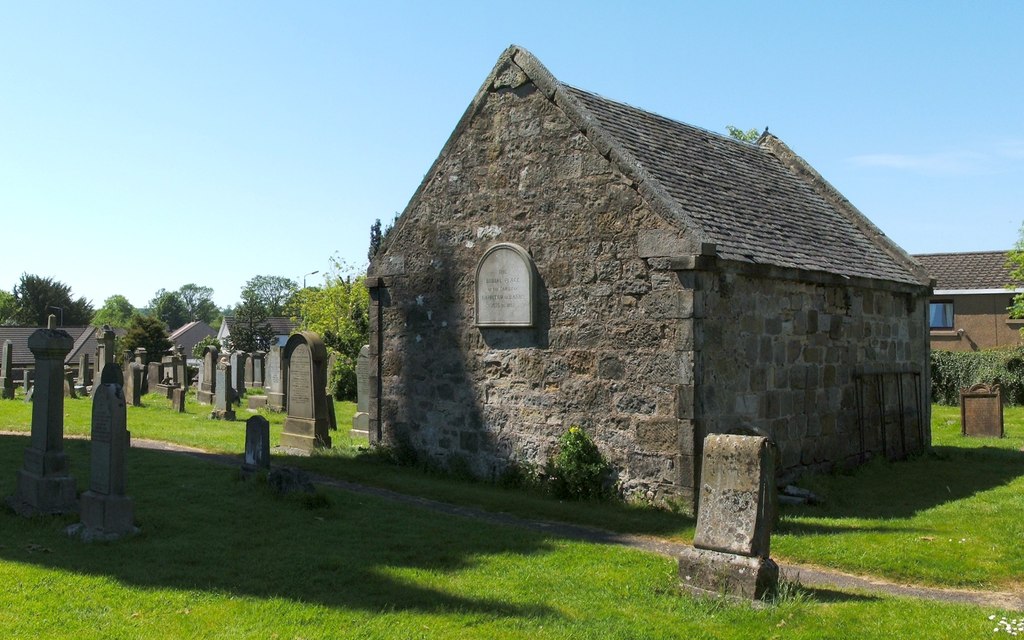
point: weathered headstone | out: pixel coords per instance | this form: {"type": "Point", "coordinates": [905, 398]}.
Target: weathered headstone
{"type": "Point", "coordinates": [179, 367]}
{"type": "Point", "coordinates": [178, 400]}
{"type": "Point", "coordinates": [361, 419]}
{"type": "Point", "coordinates": [134, 376]}
{"type": "Point", "coordinates": [257, 444]}
{"type": "Point", "coordinates": [238, 359]}
{"type": "Point", "coordinates": [69, 383]}
{"type": "Point", "coordinates": [332, 418]}
{"type": "Point", "coordinates": [222, 404]}
{"type": "Point", "coordinates": [106, 512]}
{"type": "Point", "coordinates": [208, 379]}
{"type": "Point", "coordinates": [731, 545]}
{"type": "Point", "coordinates": [84, 371]}
{"type": "Point", "coordinates": [248, 372]}
{"type": "Point", "coordinates": [256, 402]}
{"type": "Point", "coordinates": [258, 361]}
{"type": "Point", "coordinates": [26, 381]}
{"type": "Point", "coordinates": [981, 411]}
{"type": "Point", "coordinates": [104, 351]}
{"type": "Point", "coordinates": [275, 380]}
{"type": "Point", "coordinates": [303, 360]}
{"type": "Point", "coordinates": [44, 485]}
{"type": "Point", "coordinates": [6, 366]}
{"type": "Point", "coordinates": [153, 378]}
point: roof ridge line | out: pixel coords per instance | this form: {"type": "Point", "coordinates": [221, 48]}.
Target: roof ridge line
{"type": "Point", "coordinates": [823, 187]}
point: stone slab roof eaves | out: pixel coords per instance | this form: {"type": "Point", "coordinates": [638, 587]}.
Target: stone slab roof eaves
{"type": "Point", "coordinates": [745, 199]}
{"type": "Point", "coordinates": [19, 336]}
{"type": "Point", "coordinates": [971, 270]}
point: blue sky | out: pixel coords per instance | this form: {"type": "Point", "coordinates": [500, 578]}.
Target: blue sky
{"type": "Point", "coordinates": [149, 145]}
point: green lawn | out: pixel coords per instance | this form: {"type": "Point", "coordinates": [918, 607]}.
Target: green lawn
{"type": "Point", "coordinates": [222, 558]}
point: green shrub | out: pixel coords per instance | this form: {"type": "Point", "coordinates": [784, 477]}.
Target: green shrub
{"type": "Point", "coordinates": [579, 471]}
{"type": "Point", "coordinates": [956, 370]}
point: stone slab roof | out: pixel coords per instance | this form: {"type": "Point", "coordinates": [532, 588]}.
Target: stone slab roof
{"type": "Point", "coordinates": [84, 342]}
{"type": "Point", "coordinates": [755, 203]}
{"type": "Point", "coordinates": [972, 270]}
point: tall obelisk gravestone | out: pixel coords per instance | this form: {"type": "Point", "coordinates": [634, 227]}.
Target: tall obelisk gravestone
{"type": "Point", "coordinates": [6, 364]}
{"type": "Point", "coordinates": [44, 485]}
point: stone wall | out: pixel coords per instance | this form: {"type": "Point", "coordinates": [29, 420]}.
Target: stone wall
{"type": "Point", "coordinates": [832, 372]}
{"type": "Point", "coordinates": [605, 352]}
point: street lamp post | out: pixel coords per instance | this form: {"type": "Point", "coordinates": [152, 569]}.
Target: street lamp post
{"type": "Point", "coordinates": [311, 273]}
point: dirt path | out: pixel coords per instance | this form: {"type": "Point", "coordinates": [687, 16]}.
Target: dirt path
{"type": "Point", "coordinates": [816, 578]}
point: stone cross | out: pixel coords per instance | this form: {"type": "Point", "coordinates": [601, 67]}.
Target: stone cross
{"type": "Point", "coordinates": [106, 512]}
{"type": "Point", "coordinates": [44, 484]}
{"type": "Point", "coordinates": [303, 361]}
{"type": "Point", "coordinates": [731, 545]}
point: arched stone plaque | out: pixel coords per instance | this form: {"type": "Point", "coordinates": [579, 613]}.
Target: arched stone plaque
{"type": "Point", "coordinates": [505, 287]}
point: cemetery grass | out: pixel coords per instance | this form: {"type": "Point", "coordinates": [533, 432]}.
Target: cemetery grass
{"type": "Point", "coordinates": [219, 557]}
{"type": "Point", "coordinates": [951, 517]}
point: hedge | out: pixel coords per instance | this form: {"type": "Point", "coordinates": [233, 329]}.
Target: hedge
{"type": "Point", "coordinates": [956, 370]}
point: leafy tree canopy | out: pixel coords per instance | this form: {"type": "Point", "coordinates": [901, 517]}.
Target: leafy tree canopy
{"type": "Point", "coordinates": [147, 332]}
{"type": "Point", "coordinates": [1015, 262]}
{"type": "Point", "coordinates": [116, 311]}
{"type": "Point", "coordinates": [249, 329]}
{"type": "Point", "coordinates": [8, 308]}
{"type": "Point", "coordinates": [38, 297]}
{"type": "Point", "coordinates": [750, 135]}
{"type": "Point", "coordinates": [169, 308]}
{"type": "Point", "coordinates": [197, 351]}
{"type": "Point", "coordinates": [198, 302]}
{"type": "Point", "coordinates": [275, 294]}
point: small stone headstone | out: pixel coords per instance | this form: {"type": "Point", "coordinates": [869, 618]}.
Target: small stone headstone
{"type": "Point", "coordinates": [153, 377]}
{"type": "Point", "coordinates": [223, 408]}
{"type": "Point", "coordinates": [361, 419]}
{"type": "Point", "coordinates": [104, 352]}
{"type": "Point", "coordinates": [6, 366]}
{"type": "Point", "coordinates": [178, 400]}
{"type": "Point", "coordinates": [731, 545]}
{"type": "Point", "coordinates": [237, 381]}
{"type": "Point", "coordinates": [981, 411]}
{"type": "Point", "coordinates": [106, 512]}
{"type": "Point", "coordinates": [84, 371]}
{"type": "Point", "coordinates": [257, 444]}
{"type": "Point", "coordinates": [258, 360]}
{"type": "Point", "coordinates": [274, 380]}
{"type": "Point", "coordinates": [69, 384]}
{"type": "Point", "coordinates": [208, 376]}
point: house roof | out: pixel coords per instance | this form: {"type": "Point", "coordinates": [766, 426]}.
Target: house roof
{"type": "Point", "coordinates": [281, 325]}
{"type": "Point", "coordinates": [755, 203]}
{"type": "Point", "coordinates": [975, 270]}
{"type": "Point", "coordinates": [84, 342]}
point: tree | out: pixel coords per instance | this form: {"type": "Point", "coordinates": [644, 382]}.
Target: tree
{"type": "Point", "coordinates": [198, 302]}
{"type": "Point", "coordinates": [208, 341]}
{"type": "Point", "coordinates": [750, 135]}
{"type": "Point", "coordinates": [8, 308]}
{"type": "Point", "coordinates": [38, 297]}
{"type": "Point", "coordinates": [116, 312]}
{"type": "Point", "coordinates": [169, 308]}
{"type": "Point", "coordinates": [250, 330]}
{"type": "Point", "coordinates": [147, 332]}
{"type": "Point", "coordinates": [1015, 262]}
{"type": "Point", "coordinates": [274, 293]}
{"type": "Point", "coordinates": [339, 313]}
{"type": "Point", "coordinates": [375, 239]}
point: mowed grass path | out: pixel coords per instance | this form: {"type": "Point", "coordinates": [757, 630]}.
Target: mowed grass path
{"type": "Point", "coordinates": [222, 558]}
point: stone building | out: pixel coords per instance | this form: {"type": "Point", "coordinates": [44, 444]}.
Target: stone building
{"type": "Point", "coordinates": [569, 260]}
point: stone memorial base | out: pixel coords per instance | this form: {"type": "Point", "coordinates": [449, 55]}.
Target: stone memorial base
{"type": "Point", "coordinates": [36, 495]}
{"type": "Point", "coordinates": [104, 518]}
{"type": "Point", "coordinates": [7, 391]}
{"type": "Point", "coordinates": [165, 390]}
{"type": "Point", "coordinates": [257, 402]}
{"type": "Point", "coordinates": [275, 401]}
{"type": "Point", "coordinates": [305, 434]}
{"type": "Point", "coordinates": [361, 424]}
{"type": "Point", "coordinates": [706, 572]}
{"type": "Point", "coordinates": [223, 414]}
{"type": "Point", "coordinates": [204, 397]}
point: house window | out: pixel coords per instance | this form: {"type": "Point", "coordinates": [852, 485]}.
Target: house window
{"type": "Point", "coordinates": [940, 314]}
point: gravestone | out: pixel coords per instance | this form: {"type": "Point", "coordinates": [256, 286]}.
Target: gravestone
{"type": "Point", "coordinates": [178, 400]}
{"type": "Point", "coordinates": [248, 372]}
{"type": "Point", "coordinates": [69, 383]}
{"type": "Point", "coordinates": [134, 376]}
{"type": "Point", "coordinates": [275, 380]}
{"type": "Point", "coordinates": [106, 512]}
{"type": "Point", "coordinates": [6, 367]}
{"type": "Point", "coordinates": [222, 397]}
{"type": "Point", "coordinates": [179, 367]}
{"type": "Point", "coordinates": [981, 411]}
{"type": "Point", "coordinates": [104, 351]}
{"type": "Point", "coordinates": [153, 378]}
{"type": "Point", "coordinates": [361, 419]}
{"type": "Point", "coordinates": [84, 371]}
{"type": "Point", "coordinates": [257, 444]}
{"type": "Point", "coordinates": [505, 287]}
{"type": "Point", "coordinates": [332, 418]}
{"type": "Point", "coordinates": [238, 360]}
{"type": "Point", "coordinates": [256, 402]}
{"type": "Point", "coordinates": [303, 361]}
{"type": "Point", "coordinates": [731, 545]}
{"type": "Point", "coordinates": [208, 379]}
{"type": "Point", "coordinates": [26, 381]}
{"type": "Point", "coordinates": [44, 484]}
{"type": "Point", "coordinates": [258, 361]}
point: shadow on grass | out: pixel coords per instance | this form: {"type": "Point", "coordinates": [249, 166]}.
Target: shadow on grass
{"type": "Point", "coordinates": [203, 528]}
{"type": "Point", "coordinates": [882, 489]}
